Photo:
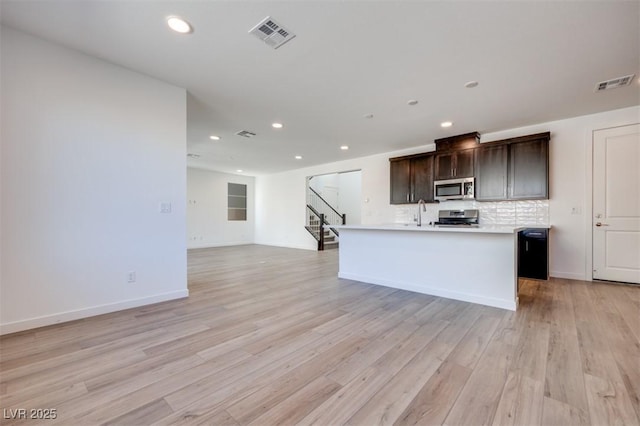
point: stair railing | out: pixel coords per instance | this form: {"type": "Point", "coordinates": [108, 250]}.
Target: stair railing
{"type": "Point", "coordinates": [320, 205]}
{"type": "Point", "coordinates": [315, 226]}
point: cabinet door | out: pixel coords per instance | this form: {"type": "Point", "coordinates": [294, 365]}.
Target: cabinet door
{"type": "Point", "coordinates": [529, 170]}
{"type": "Point", "coordinates": [452, 165]}
{"type": "Point", "coordinates": [491, 173]}
{"type": "Point", "coordinates": [444, 166]}
{"type": "Point", "coordinates": [422, 178]}
{"type": "Point", "coordinates": [463, 166]}
{"type": "Point", "coordinates": [400, 181]}
{"type": "Point", "coordinates": [533, 255]}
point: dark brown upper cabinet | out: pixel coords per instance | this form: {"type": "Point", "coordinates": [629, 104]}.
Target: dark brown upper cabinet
{"type": "Point", "coordinates": [455, 156]}
{"type": "Point", "coordinates": [422, 178]}
{"type": "Point", "coordinates": [513, 169]}
{"type": "Point", "coordinates": [411, 179]}
{"type": "Point", "coordinates": [458, 143]}
{"type": "Point", "coordinates": [491, 172]}
{"type": "Point", "coordinates": [454, 164]}
{"type": "Point", "coordinates": [529, 169]}
{"type": "Point", "coordinates": [400, 181]}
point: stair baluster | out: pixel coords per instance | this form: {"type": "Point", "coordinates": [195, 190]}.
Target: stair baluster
{"type": "Point", "coordinates": [320, 218]}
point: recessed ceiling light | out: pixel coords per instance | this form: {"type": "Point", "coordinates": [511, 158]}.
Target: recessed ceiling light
{"type": "Point", "coordinates": [412, 102]}
{"type": "Point", "coordinates": [298, 157]}
{"type": "Point", "coordinates": [179, 25]}
{"type": "Point", "coordinates": [214, 138]}
{"type": "Point", "coordinates": [239, 170]}
{"type": "Point", "coordinates": [344, 147]}
{"type": "Point", "coordinates": [446, 124]}
{"type": "Point", "coordinates": [471, 84]}
{"type": "Point", "coordinates": [277, 125]}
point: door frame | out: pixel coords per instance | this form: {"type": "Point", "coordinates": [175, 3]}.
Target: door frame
{"type": "Point", "coordinates": [588, 197]}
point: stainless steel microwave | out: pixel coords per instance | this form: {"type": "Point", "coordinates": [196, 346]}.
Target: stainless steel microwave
{"type": "Point", "coordinates": [454, 189]}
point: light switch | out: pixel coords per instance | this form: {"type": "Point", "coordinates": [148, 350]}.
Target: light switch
{"type": "Point", "coordinates": [165, 207]}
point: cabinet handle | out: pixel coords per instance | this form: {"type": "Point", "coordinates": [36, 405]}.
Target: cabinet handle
{"type": "Point", "coordinates": [526, 246]}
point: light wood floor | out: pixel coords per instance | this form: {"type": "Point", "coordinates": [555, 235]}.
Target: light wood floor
{"type": "Point", "coordinates": [271, 336]}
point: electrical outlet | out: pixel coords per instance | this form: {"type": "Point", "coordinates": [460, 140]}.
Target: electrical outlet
{"type": "Point", "coordinates": [131, 277]}
{"type": "Point", "coordinates": [576, 210]}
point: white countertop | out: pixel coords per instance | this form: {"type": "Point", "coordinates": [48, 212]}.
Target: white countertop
{"type": "Point", "coordinates": [486, 229]}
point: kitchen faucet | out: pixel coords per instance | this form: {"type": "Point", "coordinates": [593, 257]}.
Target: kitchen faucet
{"type": "Point", "coordinates": [424, 209]}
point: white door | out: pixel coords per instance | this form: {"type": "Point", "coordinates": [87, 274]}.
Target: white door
{"type": "Point", "coordinates": [616, 204]}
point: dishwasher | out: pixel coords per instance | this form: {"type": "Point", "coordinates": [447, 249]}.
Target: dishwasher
{"type": "Point", "coordinates": [533, 253]}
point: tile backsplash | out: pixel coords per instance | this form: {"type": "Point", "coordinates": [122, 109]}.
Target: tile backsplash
{"type": "Point", "coordinates": [515, 213]}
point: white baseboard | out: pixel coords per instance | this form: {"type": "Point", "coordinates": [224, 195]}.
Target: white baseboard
{"type": "Point", "coordinates": [293, 246]}
{"type": "Point", "coordinates": [211, 245]}
{"type": "Point", "coordinates": [14, 327]}
{"type": "Point", "coordinates": [568, 275]}
{"type": "Point", "coordinates": [448, 294]}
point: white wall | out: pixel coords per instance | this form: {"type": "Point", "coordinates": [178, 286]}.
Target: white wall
{"type": "Point", "coordinates": [327, 186]}
{"type": "Point", "coordinates": [89, 152]}
{"type": "Point", "coordinates": [207, 224]}
{"type": "Point", "coordinates": [318, 183]}
{"type": "Point", "coordinates": [281, 216]}
{"type": "Point", "coordinates": [350, 188]}
{"type": "Point", "coordinates": [281, 222]}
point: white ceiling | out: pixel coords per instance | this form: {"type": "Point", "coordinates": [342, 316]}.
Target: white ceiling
{"type": "Point", "coordinates": [535, 61]}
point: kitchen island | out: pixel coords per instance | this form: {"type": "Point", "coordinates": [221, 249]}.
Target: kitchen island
{"type": "Point", "coordinates": [472, 264]}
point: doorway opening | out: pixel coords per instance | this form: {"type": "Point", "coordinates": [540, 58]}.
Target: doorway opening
{"type": "Point", "coordinates": [341, 190]}
{"type": "Point", "coordinates": [333, 199]}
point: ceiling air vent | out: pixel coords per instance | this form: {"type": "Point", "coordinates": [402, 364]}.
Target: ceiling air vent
{"type": "Point", "coordinates": [245, 134]}
{"type": "Point", "coordinates": [272, 33]}
{"type": "Point", "coordinates": [615, 82]}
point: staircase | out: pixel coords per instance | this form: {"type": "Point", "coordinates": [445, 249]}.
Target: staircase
{"type": "Point", "coordinates": [320, 218]}
{"type": "Point", "coordinates": [327, 237]}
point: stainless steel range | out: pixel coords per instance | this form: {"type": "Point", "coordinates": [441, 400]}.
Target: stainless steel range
{"type": "Point", "coordinates": [450, 218]}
